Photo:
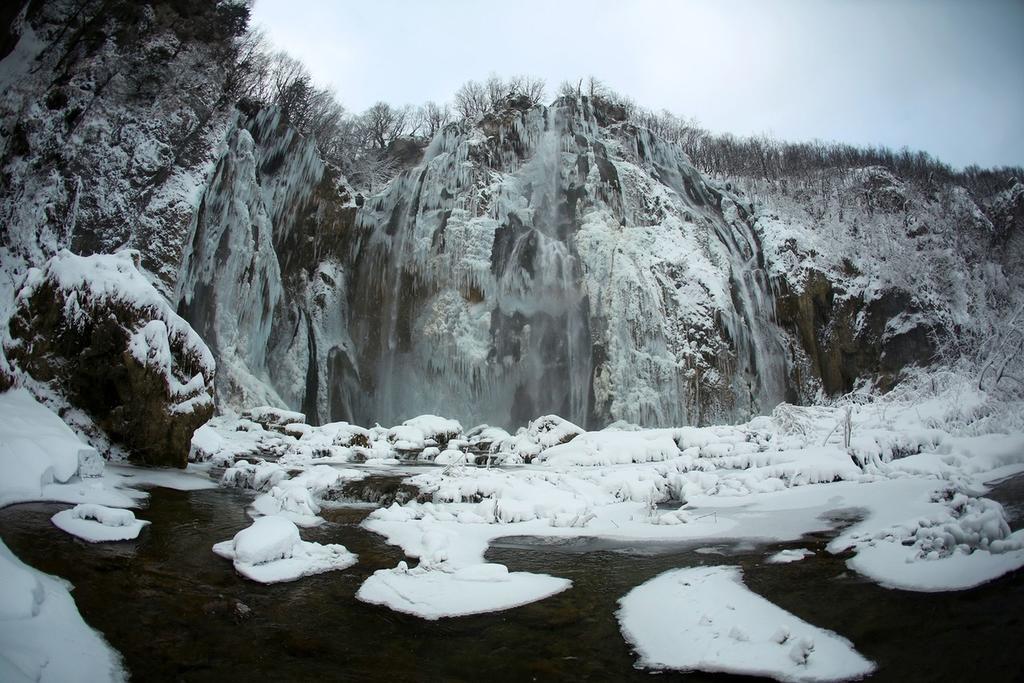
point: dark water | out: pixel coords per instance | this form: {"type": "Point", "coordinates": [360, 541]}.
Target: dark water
{"type": "Point", "coordinates": [177, 612]}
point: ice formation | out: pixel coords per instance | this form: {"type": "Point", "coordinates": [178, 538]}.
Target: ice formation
{"type": "Point", "coordinates": [705, 619]}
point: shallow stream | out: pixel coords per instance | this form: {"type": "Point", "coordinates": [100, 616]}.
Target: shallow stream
{"type": "Point", "coordinates": [178, 612]}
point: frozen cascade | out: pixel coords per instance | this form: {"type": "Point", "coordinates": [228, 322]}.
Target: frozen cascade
{"type": "Point", "coordinates": [762, 365]}
{"type": "Point", "coordinates": [475, 297]}
{"type": "Point", "coordinates": [262, 279]}
{"type": "Point", "coordinates": [537, 262]}
{"type": "Point", "coordinates": [761, 355]}
{"type": "Point", "coordinates": [231, 279]}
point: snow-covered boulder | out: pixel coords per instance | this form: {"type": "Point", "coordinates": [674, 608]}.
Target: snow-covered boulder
{"type": "Point", "coordinates": [542, 433]}
{"type": "Point", "coordinates": [424, 431]}
{"type": "Point", "coordinates": [98, 523]}
{"type": "Point", "coordinates": [270, 551]}
{"type": "Point", "coordinates": [276, 419]}
{"type": "Point", "coordinates": [94, 329]}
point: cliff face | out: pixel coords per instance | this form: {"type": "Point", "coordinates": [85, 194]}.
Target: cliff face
{"type": "Point", "coordinates": [557, 260]}
{"type": "Point", "coordinates": [111, 119]}
{"type": "Point", "coordinates": [544, 260]}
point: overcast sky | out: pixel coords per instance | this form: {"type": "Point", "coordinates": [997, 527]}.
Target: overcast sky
{"type": "Point", "coordinates": [946, 76]}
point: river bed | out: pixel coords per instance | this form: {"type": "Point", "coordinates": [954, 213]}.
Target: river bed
{"type": "Point", "coordinates": [176, 611]}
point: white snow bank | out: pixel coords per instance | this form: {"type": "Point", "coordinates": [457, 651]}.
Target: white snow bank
{"type": "Point", "coordinates": [98, 523]}
{"type": "Point", "coordinates": [611, 448]}
{"type": "Point", "coordinates": [271, 551]}
{"type": "Point", "coordinates": [36, 449]}
{"type": "Point", "coordinates": [705, 619]}
{"type": "Point", "coordinates": [896, 566]}
{"type": "Point", "coordinates": [42, 636]}
{"type": "Point", "coordinates": [935, 540]}
{"type": "Point", "coordinates": [473, 589]}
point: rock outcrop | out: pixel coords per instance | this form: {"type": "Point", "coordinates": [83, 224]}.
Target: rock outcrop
{"type": "Point", "coordinates": [94, 330]}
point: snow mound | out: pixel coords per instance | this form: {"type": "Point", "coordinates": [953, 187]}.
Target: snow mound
{"type": "Point", "coordinates": [611, 448]}
{"type": "Point", "coordinates": [271, 551]}
{"type": "Point", "coordinates": [434, 593]}
{"type": "Point", "coordinates": [36, 449]}
{"type": "Point", "coordinates": [42, 636]}
{"type": "Point", "coordinates": [424, 430]}
{"type": "Point", "coordinates": [705, 619]}
{"type": "Point", "coordinates": [98, 523]}
{"type": "Point", "coordinates": [542, 433]}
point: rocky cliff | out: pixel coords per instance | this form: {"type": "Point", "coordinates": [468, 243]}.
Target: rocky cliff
{"type": "Point", "coordinates": [559, 259]}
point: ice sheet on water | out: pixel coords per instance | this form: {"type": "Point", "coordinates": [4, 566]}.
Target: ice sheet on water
{"type": "Point", "coordinates": [705, 619]}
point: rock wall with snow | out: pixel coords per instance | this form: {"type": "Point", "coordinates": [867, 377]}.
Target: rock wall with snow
{"type": "Point", "coordinates": [560, 260]}
{"type": "Point", "coordinates": [110, 121]}
{"type": "Point", "coordinates": [93, 330]}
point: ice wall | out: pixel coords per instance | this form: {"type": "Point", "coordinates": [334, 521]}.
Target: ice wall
{"type": "Point", "coordinates": [259, 281]}
{"type": "Point", "coordinates": [540, 262]}
{"type": "Point", "coordinates": [537, 262]}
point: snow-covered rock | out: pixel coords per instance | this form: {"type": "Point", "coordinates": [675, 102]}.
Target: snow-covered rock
{"type": "Point", "coordinates": [271, 551]}
{"type": "Point", "coordinates": [98, 523]}
{"type": "Point", "coordinates": [93, 328]}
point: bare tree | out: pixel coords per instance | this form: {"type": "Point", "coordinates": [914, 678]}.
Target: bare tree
{"type": "Point", "coordinates": [471, 100]}
{"type": "Point", "coordinates": [432, 117]}
{"type": "Point", "coordinates": [384, 123]}
{"type": "Point", "coordinates": [528, 87]}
